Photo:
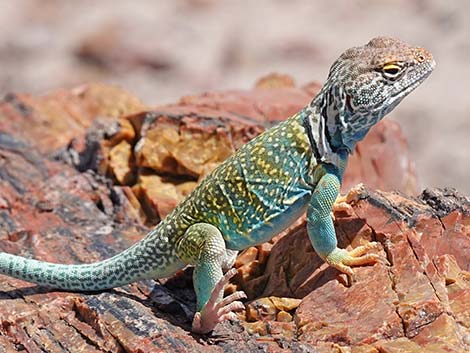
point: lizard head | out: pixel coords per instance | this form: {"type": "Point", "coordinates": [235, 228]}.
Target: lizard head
{"type": "Point", "coordinates": [367, 82]}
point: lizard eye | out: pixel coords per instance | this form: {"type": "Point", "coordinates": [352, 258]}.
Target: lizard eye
{"type": "Point", "coordinates": [391, 71]}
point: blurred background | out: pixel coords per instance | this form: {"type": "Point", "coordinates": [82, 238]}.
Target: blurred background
{"type": "Point", "coordinates": [162, 50]}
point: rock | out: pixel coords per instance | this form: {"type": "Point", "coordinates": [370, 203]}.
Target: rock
{"type": "Point", "coordinates": [105, 129]}
{"type": "Point", "coordinates": [57, 214]}
{"type": "Point", "coordinates": [109, 48]}
{"type": "Point", "coordinates": [185, 146]}
{"type": "Point", "coordinates": [259, 104]}
{"type": "Point", "coordinates": [275, 80]}
{"type": "Point", "coordinates": [351, 315]}
{"type": "Point", "coordinates": [247, 256]}
{"type": "Point", "coordinates": [52, 121]}
{"type": "Point", "coordinates": [443, 334]}
{"type": "Point", "coordinates": [156, 195]}
{"type": "Point", "coordinates": [251, 268]}
{"type": "Point", "coordinates": [258, 327]}
{"type": "Point", "coordinates": [283, 331]}
{"type": "Point", "coordinates": [249, 271]}
{"type": "Point", "coordinates": [121, 162]}
{"type": "Point", "coordinates": [124, 131]}
{"type": "Point", "coordinates": [457, 285]}
{"type": "Point", "coordinates": [377, 159]}
{"type": "Point", "coordinates": [261, 309]}
{"type": "Point", "coordinates": [421, 295]}
{"type": "Point", "coordinates": [72, 214]}
{"type": "Point", "coordinates": [285, 304]}
{"type": "Point", "coordinates": [271, 316]}
{"type": "Point", "coordinates": [283, 316]}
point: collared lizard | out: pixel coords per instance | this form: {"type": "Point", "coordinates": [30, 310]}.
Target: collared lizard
{"type": "Point", "coordinates": [294, 167]}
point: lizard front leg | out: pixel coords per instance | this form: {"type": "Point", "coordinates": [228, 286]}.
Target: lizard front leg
{"type": "Point", "coordinates": [204, 247]}
{"type": "Point", "coordinates": [321, 230]}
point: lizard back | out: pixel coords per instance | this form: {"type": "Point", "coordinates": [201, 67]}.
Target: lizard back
{"type": "Point", "coordinates": [258, 191]}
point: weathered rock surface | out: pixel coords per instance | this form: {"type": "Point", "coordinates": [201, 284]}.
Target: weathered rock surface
{"type": "Point", "coordinates": [184, 141]}
{"type": "Point", "coordinates": [52, 121]}
{"type": "Point", "coordinates": [106, 129]}
{"type": "Point", "coordinates": [153, 158]}
{"type": "Point", "coordinates": [419, 302]}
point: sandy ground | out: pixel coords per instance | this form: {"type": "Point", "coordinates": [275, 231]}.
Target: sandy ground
{"type": "Point", "coordinates": [161, 50]}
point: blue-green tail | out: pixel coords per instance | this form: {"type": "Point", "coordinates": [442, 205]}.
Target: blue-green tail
{"type": "Point", "coordinates": [143, 260]}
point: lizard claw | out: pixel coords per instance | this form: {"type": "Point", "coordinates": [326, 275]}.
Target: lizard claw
{"type": "Point", "coordinates": [342, 259]}
{"type": "Point", "coordinates": [216, 311]}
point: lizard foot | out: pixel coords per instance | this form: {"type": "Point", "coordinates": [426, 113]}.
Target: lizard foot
{"type": "Point", "coordinates": [216, 311]}
{"type": "Point", "coordinates": [342, 259]}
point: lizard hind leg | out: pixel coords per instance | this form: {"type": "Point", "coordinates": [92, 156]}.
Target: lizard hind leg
{"type": "Point", "coordinates": [204, 247]}
{"type": "Point", "coordinates": [229, 259]}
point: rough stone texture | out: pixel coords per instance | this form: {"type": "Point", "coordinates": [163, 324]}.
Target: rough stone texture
{"type": "Point", "coordinates": [50, 122]}
{"type": "Point", "coordinates": [421, 298]}
{"type": "Point", "coordinates": [188, 139]}
{"type": "Point", "coordinates": [54, 212]}
{"type": "Point", "coordinates": [104, 128]}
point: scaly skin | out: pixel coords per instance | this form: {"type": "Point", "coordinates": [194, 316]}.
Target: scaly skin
{"type": "Point", "coordinates": [261, 189]}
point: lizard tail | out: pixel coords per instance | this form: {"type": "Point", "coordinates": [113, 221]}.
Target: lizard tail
{"type": "Point", "coordinates": [141, 261]}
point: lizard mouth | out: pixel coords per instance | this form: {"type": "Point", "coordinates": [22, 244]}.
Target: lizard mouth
{"type": "Point", "coordinates": [426, 70]}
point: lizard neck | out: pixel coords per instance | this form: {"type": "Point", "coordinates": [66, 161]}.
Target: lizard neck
{"type": "Point", "coordinates": [333, 126]}
{"type": "Point", "coordinates": [325, 139]}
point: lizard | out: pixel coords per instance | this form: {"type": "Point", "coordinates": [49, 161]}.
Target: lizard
{"type": "Point", "coordinates": [294, 167]}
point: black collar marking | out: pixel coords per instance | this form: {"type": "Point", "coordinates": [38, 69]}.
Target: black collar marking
{"type": "Point", "coordinates": [313, 144]}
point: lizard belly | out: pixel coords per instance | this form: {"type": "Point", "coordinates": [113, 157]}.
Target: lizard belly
{"type": "Point", "coordinates": [268, 228]}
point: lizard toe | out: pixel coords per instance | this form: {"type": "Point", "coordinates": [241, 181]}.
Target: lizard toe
{"type": "Point", "coordinates": [342, 259]}
{"type": "Point", "coordinates": [217, 310]}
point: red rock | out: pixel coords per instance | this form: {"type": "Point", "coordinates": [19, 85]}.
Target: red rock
{"type": "Point", "coordinates": [383, 303]}
{"type": "Point", "coordinates": [157, 194]}
{"type": "Point", "coordinates": [263, 252]}
{"type": "Point", "coordinates": [246, 273]}
{"type": "Point", "coordinates": [64, 218]}
{"type": "Point", "coordinates": [248, 255]}
{"type": "Point", "coordinates": [187, 139]}
{"type": "Point", "coordinates": [259, 104]}
{"type": "Point", "coordinates": [282, 330]}
{"type": "Point", "coordinates": [401, 344]}
{"type": "Point", "coordinates": [377, 158]}
{"type": "Point", "coordinates": [188, 147]}
{"type": "Point", "coordinates": [258, 327]}
{"type": "Point", "coordinates": [441, 335]}
{"type": "Point", "coordinates": [50, 122]}
{"type": "Point", "coordinates": [457, 284]}
{"type": "Point", "coordinates": [285, 304]}
{"type": "Point", "coordinates": [53, 212]}
{"type": "Point", "coordinates": [362, 313]}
